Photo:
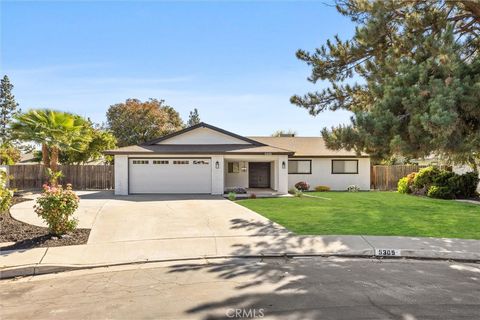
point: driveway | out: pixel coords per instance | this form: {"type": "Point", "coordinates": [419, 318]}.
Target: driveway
{"type": "Point", "coordinates": [149, 217]}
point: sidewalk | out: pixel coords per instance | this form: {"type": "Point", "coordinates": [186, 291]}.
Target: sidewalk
{"type": "Point", "coordinates": [56, 259]}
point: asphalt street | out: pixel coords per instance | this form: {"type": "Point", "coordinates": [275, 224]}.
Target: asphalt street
{"type": "Point", "coordinates": [303, 288]}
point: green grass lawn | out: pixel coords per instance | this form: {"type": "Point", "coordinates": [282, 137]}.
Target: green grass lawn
{"type": "Point", "coordinates": [371, 213]}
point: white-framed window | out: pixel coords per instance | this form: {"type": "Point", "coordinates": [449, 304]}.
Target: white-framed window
{"type": "Point", "coordinates": [201, 162]}
{"type": "Point", "coordinates": [160, 161]}
{"type": "Point", "coordinates": [233, 167]}
{"type": "Point", "coordinates": [344, 166]}
{"type": "Point", "coordinates": [140, 161]}
{"type": "Point", "coordinates": [300, 166]}
{"type": "Point", "coordinates": [181, 162]}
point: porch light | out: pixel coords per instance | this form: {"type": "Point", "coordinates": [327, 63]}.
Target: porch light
{"type": "Point", "coordinates": [283, 164]}
{"type": "Point", "coordinates": [217, 165]}
{"type": "Point", "coordinates": [244, 167]}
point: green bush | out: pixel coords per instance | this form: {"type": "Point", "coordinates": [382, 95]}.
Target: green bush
{"type": "Point", "coordinates": [6, 195]}
{"type": "Point", "coordinates": [293, 190]}
{"type": "Point", "coordinates": [425, 178]}
{"type": "Point", "coordinates": [440, 192]}
{"type": "Point", "coordinates": [322, 188]}
{"type": "Point", "coordinates": [402, 186]}
{"type": "Point", "coordinates": [56, 206]}
{"type": "Point", "coordinates": [465, 185]}
{"type": "Point", "coordinates": [232, 196]}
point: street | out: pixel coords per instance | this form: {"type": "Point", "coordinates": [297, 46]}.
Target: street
{"type": "Point", "coordinates": [303, 288]}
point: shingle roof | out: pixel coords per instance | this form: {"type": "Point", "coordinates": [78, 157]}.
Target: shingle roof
{"type": "Point", "coordinates": [305, 146]}
{"type": "Point", "coordinates": [198, 149]}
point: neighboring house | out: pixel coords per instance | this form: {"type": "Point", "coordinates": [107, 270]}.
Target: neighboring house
{"type": "Point", "coordinates": [207, 159]}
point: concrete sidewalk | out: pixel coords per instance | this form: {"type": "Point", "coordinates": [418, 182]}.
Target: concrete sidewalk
{"type": "Point", "coordinates": [56, 259]}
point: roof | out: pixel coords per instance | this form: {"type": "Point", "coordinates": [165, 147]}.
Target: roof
{"type": "Point", "coordinates": [292, 146]}
{"type": "Point", "coordinates": [306, 146]}
{"type": "Point", "coordinates": [201, 125]}
{"type": "Point", "coordinates": [199, 149]}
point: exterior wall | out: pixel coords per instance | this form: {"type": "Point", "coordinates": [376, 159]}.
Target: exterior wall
{"type": "Point", "coordinates": [203, 136]}
{"type": "Point", "coordinates": [121, 175]}
{"type": "Point", "coordinates": [217, 175]}
{"type": "Point", "coordinates": [322, 175]}
{"type": "Point", "coordinates": [282, 174]}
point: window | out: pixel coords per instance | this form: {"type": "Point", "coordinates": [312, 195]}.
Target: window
{"type": "Point", "coordinates": [300, 166]}
{"type": "Point", "coordinates": [181, 162]}
{"type": "Point", "coordinates": [344, 166]}
{"type": "Point", "coordinates": [140, 162]}
{"type": "Point", "coordinates": [233, 167]}
{"type": "Point", "coordinates": [160, 161]}
{"type": "Point", "coordinates": [201, 162]}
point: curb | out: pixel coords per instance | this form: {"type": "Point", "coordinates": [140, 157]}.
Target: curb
{"type": "Point", "coordinates": [41, 269]}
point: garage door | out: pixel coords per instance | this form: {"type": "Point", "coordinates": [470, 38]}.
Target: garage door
{"type": "Point", "coordinates": [170, 176]}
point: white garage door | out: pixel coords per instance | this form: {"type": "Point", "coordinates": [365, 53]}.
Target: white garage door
{"type": "Point", "coordinates": [170, 175]}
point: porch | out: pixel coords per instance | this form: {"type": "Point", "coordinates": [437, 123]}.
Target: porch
{"type": "Point", "coordinates": [262, 175]}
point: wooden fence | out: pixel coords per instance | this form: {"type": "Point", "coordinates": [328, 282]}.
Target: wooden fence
{"type": "Point", "coordinates": [82, 177]}
{"type": "Point", "coordinates": [385, 177]}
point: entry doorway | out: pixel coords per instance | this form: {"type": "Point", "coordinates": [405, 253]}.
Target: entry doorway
{"type": "Point", "coordinates": [259, 174]}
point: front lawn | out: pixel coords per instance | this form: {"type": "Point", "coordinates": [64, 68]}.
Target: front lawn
{"type": "Point", "coordinates": [371, 213]}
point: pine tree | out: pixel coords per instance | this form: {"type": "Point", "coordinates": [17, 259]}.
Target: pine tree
{"type": "Point", "coordinates": [193, 118]}
{"type": "Point", "coordinates": [410, 75]}
{"type": "Point", "coordinates": [8, 107]}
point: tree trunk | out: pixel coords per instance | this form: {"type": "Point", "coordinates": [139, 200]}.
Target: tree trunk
{"type": "Point", "coordinates": [45, 155]}
{"type": "Point", "coordinates": [54, 159]}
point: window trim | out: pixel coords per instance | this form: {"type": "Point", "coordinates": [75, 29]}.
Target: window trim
{"type": "Point", "coordinates": [309, 160]}
{"type": "Point", "coordinates": [356, 160]}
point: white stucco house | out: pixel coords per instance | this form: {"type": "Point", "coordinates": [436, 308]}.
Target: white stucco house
{"type": "Point", "coordinates": [209, 160]}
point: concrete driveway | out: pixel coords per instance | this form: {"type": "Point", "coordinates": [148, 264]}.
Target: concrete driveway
{"type": "Point", "coordinates": [149, 217]}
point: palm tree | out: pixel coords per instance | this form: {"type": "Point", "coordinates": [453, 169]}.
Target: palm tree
{"type": "Point", "coordinates": [54, 130]}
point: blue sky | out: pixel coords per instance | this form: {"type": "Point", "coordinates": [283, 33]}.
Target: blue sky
{"type": "Point", "coordinates": [234, 61]}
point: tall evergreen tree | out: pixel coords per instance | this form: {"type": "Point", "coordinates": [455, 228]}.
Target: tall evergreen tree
{"type": "Point", "coordinates": [410, 75]}
{"type": "Point", "coordinates": [8, 108]}
{"type": "Point", "coordinates": [193, 118]}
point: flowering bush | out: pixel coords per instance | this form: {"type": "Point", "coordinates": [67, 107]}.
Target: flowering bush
{"type": "Point", "coordinates": [302, 186]}
{"type": "Point", "coordinates": [6, 194]}
{"type": "Point", "coordinates": [56, 206]}
{"type": "Point", "coordinates": [353, 188]}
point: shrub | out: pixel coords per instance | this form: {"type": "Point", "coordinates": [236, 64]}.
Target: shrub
{"type": "Point", "coordinates": [232, 196]}
{"type": "Point", "coordinates": [440, 192]}
{"type": "Point", "coordinates": [6, 194]}
{"type": "Point", "coordinates": [293, 190]}
{"type": "Point", "coordinates": [353, 188]}
{"type": "Point", "coordinates": [402, 186]}
{"type": "Point", "coordinates": [253, 196]}
{"type": "Point", "coordinates": [302, 186]}
{"type": "Point", "coordinates": [425, 178]}
{"type": "Point", "coordinates": [465, 185]}
{"type": "Point", "coordinates": [322, 188]}
{"type": "Point", "coordinates": [298, 193]}
{"type": "Point", "coordinates": [56, 207]}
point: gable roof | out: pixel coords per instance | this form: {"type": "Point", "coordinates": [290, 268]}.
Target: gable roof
{"type": "Point", "coordinates": [306, 146]}
{"type": "Point", "coordinates": [202, 125]}
{"type": "Point", "coordinates": [199, 149]}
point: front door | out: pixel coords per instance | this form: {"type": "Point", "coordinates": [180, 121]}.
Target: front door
{"type": "Point", "coordinates": [259, 174]}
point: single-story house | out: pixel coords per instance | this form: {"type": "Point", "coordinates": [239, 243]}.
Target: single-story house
{"type": "Point", "coordinates": [206, 159]}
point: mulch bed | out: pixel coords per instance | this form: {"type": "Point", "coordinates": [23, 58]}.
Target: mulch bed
{"type": "Point", "coordinates": [27, 236]}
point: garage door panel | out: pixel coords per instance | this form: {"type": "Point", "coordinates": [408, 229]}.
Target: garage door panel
{"type": "Point", "coordinates": [170, 176]}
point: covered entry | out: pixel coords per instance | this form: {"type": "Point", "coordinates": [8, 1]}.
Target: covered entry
{"type": "Point", "coordinates": [170, 175]}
